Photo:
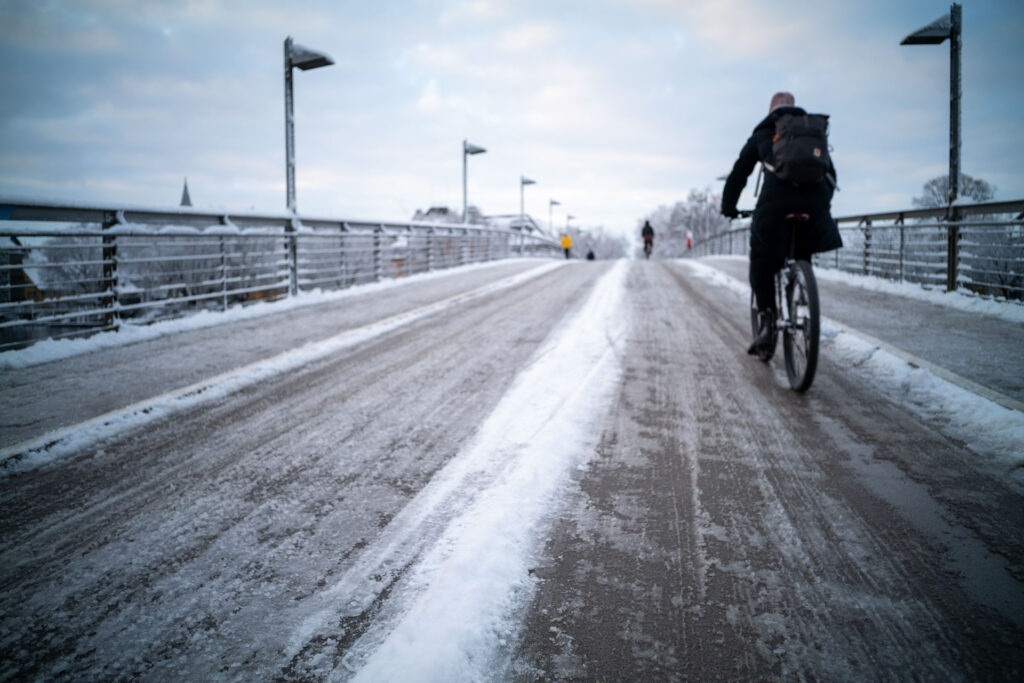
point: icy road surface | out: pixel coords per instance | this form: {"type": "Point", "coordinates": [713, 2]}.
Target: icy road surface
{"type": "Point", "coordinates": [509, 473]}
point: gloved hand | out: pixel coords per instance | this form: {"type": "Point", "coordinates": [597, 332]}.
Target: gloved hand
{"type": "Point", "coordinates": [730, 212]}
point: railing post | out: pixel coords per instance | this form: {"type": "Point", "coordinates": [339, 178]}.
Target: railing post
{"type": "Point", "coordinates": [952, 248]}
{"type": "Point", "coordinates": [293, 256]}
{"type": "Point", "coordinates": [867, 247]}
{"type": "Point", "coordinates": [223, 275]}
{"type": "Point", "coordinates": [112, 318]}
{"type": "Point", "coordinates": [342, 262]}
{"type": "Point", "coordinates": [430, 249]}
{"type": "Point", "coordinates": [378, 265]}
{"type": "Point", "coordinates": [899, 221]}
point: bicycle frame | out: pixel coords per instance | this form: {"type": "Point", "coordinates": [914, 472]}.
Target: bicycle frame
{"type": "Point", "coordinates": [797, 314]}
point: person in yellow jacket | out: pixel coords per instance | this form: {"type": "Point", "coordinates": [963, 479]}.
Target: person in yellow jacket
{"type": "Point", "coordinates": [566, 244]}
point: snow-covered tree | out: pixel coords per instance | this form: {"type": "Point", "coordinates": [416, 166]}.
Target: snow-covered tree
{"type": "Point", "coordinates": [698, 215]}
{"type": "Point", "coordinates": [936, 191]}
{"type": "Point", "coordinates": [605, 246]}
{"type": "Point", "coordinates": [988, 255]}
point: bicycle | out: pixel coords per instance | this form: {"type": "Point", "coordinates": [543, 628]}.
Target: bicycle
{"type": "Point", "coordinates": [648, 248]}
{"type": "Point", "coordinates": [797, 311]}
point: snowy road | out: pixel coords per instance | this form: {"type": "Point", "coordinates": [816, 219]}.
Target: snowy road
{"type": "Point", "coordinates": [578, 474]}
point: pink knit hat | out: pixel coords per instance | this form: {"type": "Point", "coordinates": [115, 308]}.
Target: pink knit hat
{"type": "Point", "coordinates": [781, 99]}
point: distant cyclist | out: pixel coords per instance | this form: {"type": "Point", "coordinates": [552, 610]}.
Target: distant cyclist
{"type": "Point", "coordinates": [778, 199]}
{"type": "Point", "coordinates": [648, 234]}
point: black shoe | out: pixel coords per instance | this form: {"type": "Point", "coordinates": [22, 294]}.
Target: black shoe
{"type": "Point", "coordinates": [765, 342]}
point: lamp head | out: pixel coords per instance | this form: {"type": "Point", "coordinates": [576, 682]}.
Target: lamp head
{"type": "Point", "coordinates": [306, 59]}
{"type": "Point", "coordinates": [932, 34]}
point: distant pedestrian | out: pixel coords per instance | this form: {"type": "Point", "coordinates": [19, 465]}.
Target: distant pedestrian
{"type": "Point", "coordinates": [566, 244]}
{"type": "Point", "coordinates": [590, 255]}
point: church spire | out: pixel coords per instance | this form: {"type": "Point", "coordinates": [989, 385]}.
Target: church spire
{"type": "Point", "coordinates": [185, 199]}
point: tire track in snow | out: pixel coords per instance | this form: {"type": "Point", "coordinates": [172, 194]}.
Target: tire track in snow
{"type": "Point", "coordinates": [432, 598]}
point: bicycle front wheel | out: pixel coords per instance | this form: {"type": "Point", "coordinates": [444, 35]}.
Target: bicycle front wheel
{"type": "Point", "coordinates": [803, 329]}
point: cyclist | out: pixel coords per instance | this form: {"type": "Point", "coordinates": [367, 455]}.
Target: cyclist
{"type": "Point", "coordinates": [778, 199]}
{"type": "Point", "coordinates": [648, 234]}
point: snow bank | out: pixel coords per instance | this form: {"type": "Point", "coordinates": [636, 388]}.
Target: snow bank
{"type": "Point", "coordinates": [984, 425]}
{"type": "Point", "coordinates": [997, 308]}
{"type": "Point", "coordinates": [1006, 310]}
{"type": "Point", "coordinates": [469, 584]}
{"type": "Point", "coordinates": [57, 349]}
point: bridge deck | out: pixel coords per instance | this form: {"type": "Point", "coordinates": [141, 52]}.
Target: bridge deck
{"type": "Point", "coordinates": [579, 474]}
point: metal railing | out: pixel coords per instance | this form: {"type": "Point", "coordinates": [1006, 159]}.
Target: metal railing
{"type": "Point", "coordinates": [69, 270]}
{"type": "Point", "coordinates": [977, 248]}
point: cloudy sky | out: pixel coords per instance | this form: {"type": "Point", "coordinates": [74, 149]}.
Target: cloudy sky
{"type": "Point", "coordinates": [614, 107]}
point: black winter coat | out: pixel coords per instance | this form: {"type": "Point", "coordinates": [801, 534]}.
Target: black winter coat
{"type": "Point", "coordinates": [779, 197]}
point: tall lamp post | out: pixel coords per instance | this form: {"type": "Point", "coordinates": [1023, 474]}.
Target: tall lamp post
{"type": "Point", "coordinates": [567, 219]}
{"type": "Point", "coordinates": [523, 182]}
{"type": "Point", "coordinates": [467, 149]}
{"type": "Point", "coordinates": [947, 26]}
{"type": "Point", "coordinates": [305, 59]}
{"type": "Point", "coordinates": [551, 204]}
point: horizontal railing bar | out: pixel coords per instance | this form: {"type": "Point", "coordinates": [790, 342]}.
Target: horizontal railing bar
{"type": "Point", "coordinates": [77, 332]}
{"type": "Point", "coordinates": [85, 296]}
{"type": "Point", "coordinates": [1013, 206]}
{"type": "Point", "coordinates": [126, 215]}
{"type": "Point", "coordinates": [98, 312]}
{"type": "Point", "coordinates": [58, 264]}
{"type": "Point", "coordinates": [281, 285]}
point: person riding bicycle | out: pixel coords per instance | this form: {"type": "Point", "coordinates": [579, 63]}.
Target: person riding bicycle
{"type": "Point", "coordinates": [648, 234]}
{"type": "Point", "coordinates": [778, 198]}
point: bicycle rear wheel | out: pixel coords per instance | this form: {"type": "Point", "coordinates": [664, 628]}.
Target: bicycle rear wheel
{"type": "Point", "coordinates": [803, 329]}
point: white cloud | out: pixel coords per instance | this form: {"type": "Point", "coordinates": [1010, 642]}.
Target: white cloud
{"type": "Point", "coordinates": [474, 10]}
{"type": "Point", "coordinates": [436, 56]}
{"type": "Point", "coordinates": [430, 100]}
{"type": "Point", "coordinates": [527, 38]}
{"type": "Point", "coordinates": [738, 29]}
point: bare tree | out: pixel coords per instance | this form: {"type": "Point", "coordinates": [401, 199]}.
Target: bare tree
{"type": "Point", "coordinates": [936, 191]}
{"type": "Point", "coordinates": [604, 245]}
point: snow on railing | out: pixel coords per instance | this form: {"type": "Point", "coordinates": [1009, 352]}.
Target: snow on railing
{"type": "Point", "coordinates": [72, 269]}
{"type": "Point", "coordinates": [977, 248]}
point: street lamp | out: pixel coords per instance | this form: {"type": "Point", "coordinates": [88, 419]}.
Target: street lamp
{"type": "Point", "coordinates": [305, 59]}
{"type": "Point", "coordinates": [552, 203]}
{"type": "Point", "coordinates": [523, 182]}
{"type": "Point", "coordinates": [567, 219]}
{"type": "Point", "coordinates": [947, 26]}
{"type": "Point", "coordinates": [467, 149]}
